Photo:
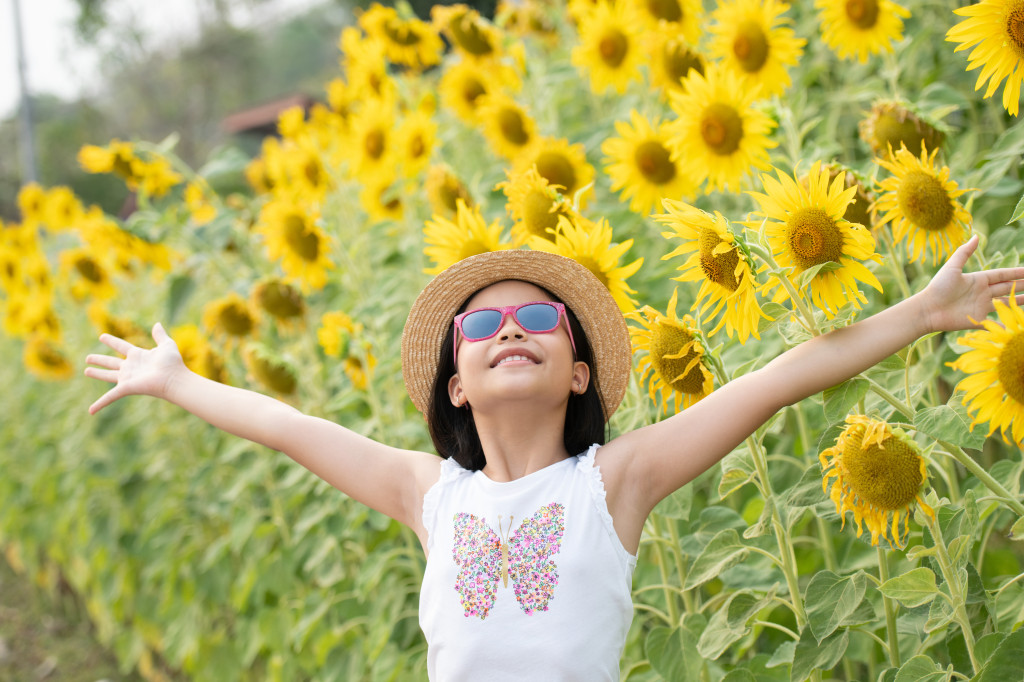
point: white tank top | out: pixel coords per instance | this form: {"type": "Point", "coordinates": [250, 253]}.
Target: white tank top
{"type": "Point", "coordinates": [525, 579]}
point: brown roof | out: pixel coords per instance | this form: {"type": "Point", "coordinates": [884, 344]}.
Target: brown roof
{"type": "Point", "coordinates": [263, 118]}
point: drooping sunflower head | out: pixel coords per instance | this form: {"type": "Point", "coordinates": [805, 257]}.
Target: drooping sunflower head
{"type": "Point", "coordinates": [409, 42]}
{"type": "Point", "coordinates": [806, 230]}
{"type": "Point", "coordinates": [279, 299]}
{"type": "Point", "coordinates": [609, 51]}
{"type": "Point", "coordinates": [506, 125]}
{"type": "Point", "coordinates": [995, 29]}
{"type": "Point", "coordinates": [590, 244]}
{"type": "Point", "coordinates": [994, 386]}
{"type": "Point", "coordinates": [641, 165]}
{"type": "Point", "coordinates": [719, 135]}
{"type": "Point", "coordinates": [270, 369]}
{"type": "Point", "coordinates": [448, 241]}
{"type": "Point", "coordinates": [535, 204]}
{"type": "Point", "coordinates": [859, 28]}
{"type": "Point", "coordinates": [670, 59]}
{"type": "Point", "coordinates": [893, 125]}
{"type": "Point", "coordinates": [444, 189]}
{"type": "Point", "coordinates": [230, 316]}
{"type": "Point", "coordinates": [562, 164]}
{"type": "Point", "coordinates": [672, 356]}
{"type": "Point", "coordinates": [358, 370]}
{"type": "Point", "coordinates": [879, 473]}
{"type": "Point", "coordinates": [720, 261]}
{"type": "Point", "coordinates": [920, 202]}
{"type": "Point", "coordinates": [753, 40]}
{"type": "Point", "coordinates": [471, 34]}
{"type": "Point", "coordinates": [46, 359]}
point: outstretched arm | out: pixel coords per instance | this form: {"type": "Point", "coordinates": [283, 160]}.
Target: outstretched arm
{"type": "Point", "coordinates": [387, 479]}
{"type": "Point", "coordinates": [669, 454]}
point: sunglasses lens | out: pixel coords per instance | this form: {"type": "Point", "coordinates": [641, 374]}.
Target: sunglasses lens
{"type": "Point", "coordinates": [538, 317]}
{"type": "Point", "coordinates": [480, 324]}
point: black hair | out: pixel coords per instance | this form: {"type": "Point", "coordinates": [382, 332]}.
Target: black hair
{"type": "Point", "coordinates": [453, 429]}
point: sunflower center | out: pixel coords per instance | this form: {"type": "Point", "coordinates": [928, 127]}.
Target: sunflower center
{"type": "Point", "coordinates": [303, 242]}
{"type": "Point", "coordinates": [613, 47]}
{"type": "Point", "coordinates": [718, 268]}
{"type": "Point", "coordinates": [235, 319]}
{"type": "Point", "coordinates": [89, 269]}
{"type": "Point", "coordinates": [750, 46]}
{"type": "Point", "coordinates": [1015, 27]}
{"type": "Point", "coordinates": [311, 169]}
{"type": "Point", "coordinates": [652, 159]}
{"type": "Point", "coordinates": [1011, 367]}
{"type": "Point", "coordinates": [557, 170]}
{"type": "Point", "coordinates": [924, 201]}
{"type": "Point", "coordinates": [48, 354]}
{"type": "Point", "coordinates": [400, 33]}
{"type": "Point", "coordinates": [276, 376]}
{"type": "Point", "coordinates": [512, 127]}
{"type": "Point", "coordinates": [471, 90]}
{"type": "Point", "coordinates": [669, 10]}
{"type": "Point", "coordinates": [538, 217]}
{"type": "Point", "coordinates": [592, 265]}
{"type": "Point", "coordinates": [280, 300]}
{"type": "Point", "coordinates": [678, 60]}
{"type": "Point", "coordinates": [862, 13]}
{"type": "Point", "coordinates": [814, 238]}
{"type": "Point", "coordinates": [449, 193]}
{"type": "Point", "coordinates": [417, 147]}
{"type": "Point", "coordinates": [669, 340]}
{"type": "Point", "coordinates": [469, 36]}
{"type": "Point", "coordinates": [722, 128]}
{"type": "Point", "coordinates": [373, 143]}
{"type": "Point", "coordinates": [887, 476]}
{"type": "Point", "coordinates": [122, 165]}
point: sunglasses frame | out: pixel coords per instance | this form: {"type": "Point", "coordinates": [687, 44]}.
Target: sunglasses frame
{"type": "Point", "coordinates": [505, 312]}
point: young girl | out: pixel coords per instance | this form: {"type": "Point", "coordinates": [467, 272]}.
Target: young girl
{"type": "Point", "coordinates": [517, 359]}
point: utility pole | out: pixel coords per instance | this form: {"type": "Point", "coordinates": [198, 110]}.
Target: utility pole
{"type": "Point", "coordinates": [27, 145]}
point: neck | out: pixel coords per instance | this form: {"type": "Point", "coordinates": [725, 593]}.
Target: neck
{"type": "Point", "coordinates": [518, 440]}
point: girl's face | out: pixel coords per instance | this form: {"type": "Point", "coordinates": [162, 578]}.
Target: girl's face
{"type": "Point", "coordinates": [515, 364]}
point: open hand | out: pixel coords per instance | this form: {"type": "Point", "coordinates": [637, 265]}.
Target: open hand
{"type": "Point", "coordinates": [961, 300]}
{"type": "Point", "coordinates": [140, 372]}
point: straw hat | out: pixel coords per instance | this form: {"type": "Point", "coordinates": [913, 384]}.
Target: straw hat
{"type": "Point", "coordinates": [575, 285]}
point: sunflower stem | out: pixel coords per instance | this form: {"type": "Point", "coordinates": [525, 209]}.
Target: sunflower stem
{"type": "Point", "coordinates": [670, 602]}
{"type": "Point", "coordinates": [888, 397]}
{"type": "Point", "coordinates": [898, 273]}
{"type": "Point", "coordinates": [673, 532]}
{"type": "Point", "coordinates": [991, 483]}
{"type": "Point", "coordinates": [794, 295]}
{"type": "Point", "coordinates": [890, 612]}
{"type": "Point", "coordinates": [956, 590]}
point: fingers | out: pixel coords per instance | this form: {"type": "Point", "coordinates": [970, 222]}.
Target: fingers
{"type": "Point", "coordinates": [104, 400]}
{"type": "Point", "coordinates": [108, 375]}
{"type": "Point", "coordinates": [118, 344]}
{"type": "Point", "coordinates": [959, 258]}
{"type": "Point", "coordinates": [160, 334]}
{"type": "Point", "coordinates": [107, 361]}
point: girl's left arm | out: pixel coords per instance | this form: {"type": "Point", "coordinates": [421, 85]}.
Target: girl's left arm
{"type": "Point", "coordinates": [657, 459]}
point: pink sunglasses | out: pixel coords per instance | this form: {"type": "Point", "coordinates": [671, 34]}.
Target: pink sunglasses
{"type": "Point", "coordinates": [537, 317]}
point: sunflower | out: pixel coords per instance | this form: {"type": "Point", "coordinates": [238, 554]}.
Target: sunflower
{"type": "Point", "coordinates": [590, 245]}
{"type": "Point", "coordinates": [372, 139]}
{"type": "Point", "coordinates": [719, 134]}
{"type": "Point", "coordinates": [681, 17]}
{"type": "Point", "coordinates": [890, 124]}
{"type": "Point", "coordinates": [199, 206]}
{"type": "Point", "coordinates": [294, 238]}
{"type": "Point", "coordinates": [879, 472]}
{"type": "Point", "coordinates": [859, 211]}
{"type": "Point", "coordinates": [562, 164]}
{"type": "Point", "coordinates": [197, 353]}
{"type": "Point", "coordinates": [858, 28]}
{"type": "Point", "coordinates": [270, 369]}
{"type": "Point", "coordinates": [32, 315]}
{"type": "Point", "coordinates": [473, 36]}
{"type": "Point", "coordinates": [103, 321]}
{"type": "Point", "coordinates": [753, 42]}
{"type": "Point", "coordinates": [359, 371]}
{"type": "Point", "coordinates": [720, 261]}
{"type": "Point", "coordinates": [444, 189]}
{"type": "Point", "coordinates": [672, 360]}
{"type": "Point", "coordinates": [304, 174]}
{"type": "Point", "coordinates": [995, 29]}
{"type": "Point", "coordinates": [336, 328]}
{"type": "Point", "coordinates": [381, 198]}
{"type": "Point", "coordinates": [449, 242]}
{"type": "Point", "coordinates": [414, 141]}
{"type": "Point", "coordinates": [86, 274]}
{"type": "Point", "coordinates": [341, 98]}
{"type": "Point", "coordinates": [280, 300]}
{"type": "Point", "coordinates": [32, 204]}
{"type": "Point", "coordinates": [230, 316]}
{"type": "Point", "coordinates": [670, 59]}
{"type": "Point", "coordinates": [365, 64]}
{"type": "Point", "coordinates": [609, 51]}
{"type": "Point", "coordinates": [535, 204]}
{"type": "Point", "coordinates": [639, 163]}
{"type": "Point", "coordinates": [462, 87]}
{"type": "Point", "coordinates": [921, 203]}
{"type": "Point", "coordinates": [506, 125]}
{"type": "Point", "coordinates": [409, 42]}
{"type": "Point", "coordinates": [806, 229]}
{"type": "Point", "coordinates": [47, 360]}
{"type": "Point", "coordinates": [995, 365]}
{"type": "Point", "coordinates": [62, 210]}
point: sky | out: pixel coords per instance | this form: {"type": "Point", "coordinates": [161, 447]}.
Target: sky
{"type": "Point", "coordinates": [58, 64]}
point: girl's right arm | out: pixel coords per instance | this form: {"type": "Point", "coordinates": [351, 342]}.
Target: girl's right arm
{"type": "Point", "coordinates": [390, 480]}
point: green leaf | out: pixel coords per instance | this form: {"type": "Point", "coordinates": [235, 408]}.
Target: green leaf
{"type": "Point", "coordinates": [1005, 662]}
{"type": "Point", "coordinates": [673, 653]}
{"type": "Point", "coordinates": [1017, 530]}
{"type": "Point", "coordinates": [804, 278]}
{"type": "Point", "coordinates": [718, 635]}
{"type": "Point", "coordinates": [920, 669]}
{"type": "Point", "coordinates": [745, 605]}
{"type": "Point", "coordinates": [776, 311]}
{"type": "Point", "coordinates": [782, 655]}
{"type": "Point", "coordinates": [951, 423]}
{"type": "Point", "coordinates": [830, 599]}
{"type": "Point", "coordinates": [840, 399]}
{"type": "Point", "coordinates": [739, 675]}
{"type": "Point", "coordinates": [940, 614]}
{"type": "Point", "coordinates": [181, 289]}
{"type": "Point", "coordinates": [677, 505]}
{"type": "Point", "coordinates": [911, 589]}
{"type": "Point", "coordinates": [807, 491]}
{"type": "Point", "coordinates": [737, 470]}
{"type": "Point", "coordinates": [811, 655]}
{"type": "Point", "coordinates": [724, 551]}
{"type": "Point", "coordinates": [1018, 212]}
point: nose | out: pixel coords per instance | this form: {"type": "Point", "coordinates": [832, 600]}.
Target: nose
{"type": "Point", "coordinates": [510, 329]}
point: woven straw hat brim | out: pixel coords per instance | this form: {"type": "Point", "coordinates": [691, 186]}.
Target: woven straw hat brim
{"type": "Point", "coordinates": [591, 302]}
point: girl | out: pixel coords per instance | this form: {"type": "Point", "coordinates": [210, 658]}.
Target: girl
{"type": "Point", "coordinates": [517, 359]}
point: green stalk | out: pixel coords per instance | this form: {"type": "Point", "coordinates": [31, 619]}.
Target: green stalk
{"type": "Point", "coordinates": [890, 612]}
{"type": "Point", "coordinates": [956, 590]}
{"type": "Point", "coordinates": [670, 601]}
{"type": "Point", "coordinates": [983, 476]}
{"type": "Point", "coordinates": [897, 271]}
{"type": "Point", "coordinates": [794, 295]}
{"type": "Point", "coordinates": [673, 533]}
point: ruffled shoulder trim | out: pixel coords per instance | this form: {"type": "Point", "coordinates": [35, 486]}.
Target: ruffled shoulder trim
{"type": "Point", "coordinates": [450, 470]}
{"type": "Point", "coordinates": [585, 465]}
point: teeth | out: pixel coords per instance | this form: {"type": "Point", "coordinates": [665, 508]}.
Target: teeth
{"type": "Point", "coordinates": [511, 358]}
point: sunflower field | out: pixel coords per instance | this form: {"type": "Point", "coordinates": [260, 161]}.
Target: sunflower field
{"type": "Point", "coordinates": [742, 175]}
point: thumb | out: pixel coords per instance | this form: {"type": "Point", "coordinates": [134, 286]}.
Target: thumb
{"type": "Point", "coordinates": [160, 334]}
{"type": "Point", "coordinates": [959, 258]}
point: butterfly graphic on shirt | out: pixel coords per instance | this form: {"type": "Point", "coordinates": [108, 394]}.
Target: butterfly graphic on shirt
{"type": "Point", "coordinates": [486, 558]}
